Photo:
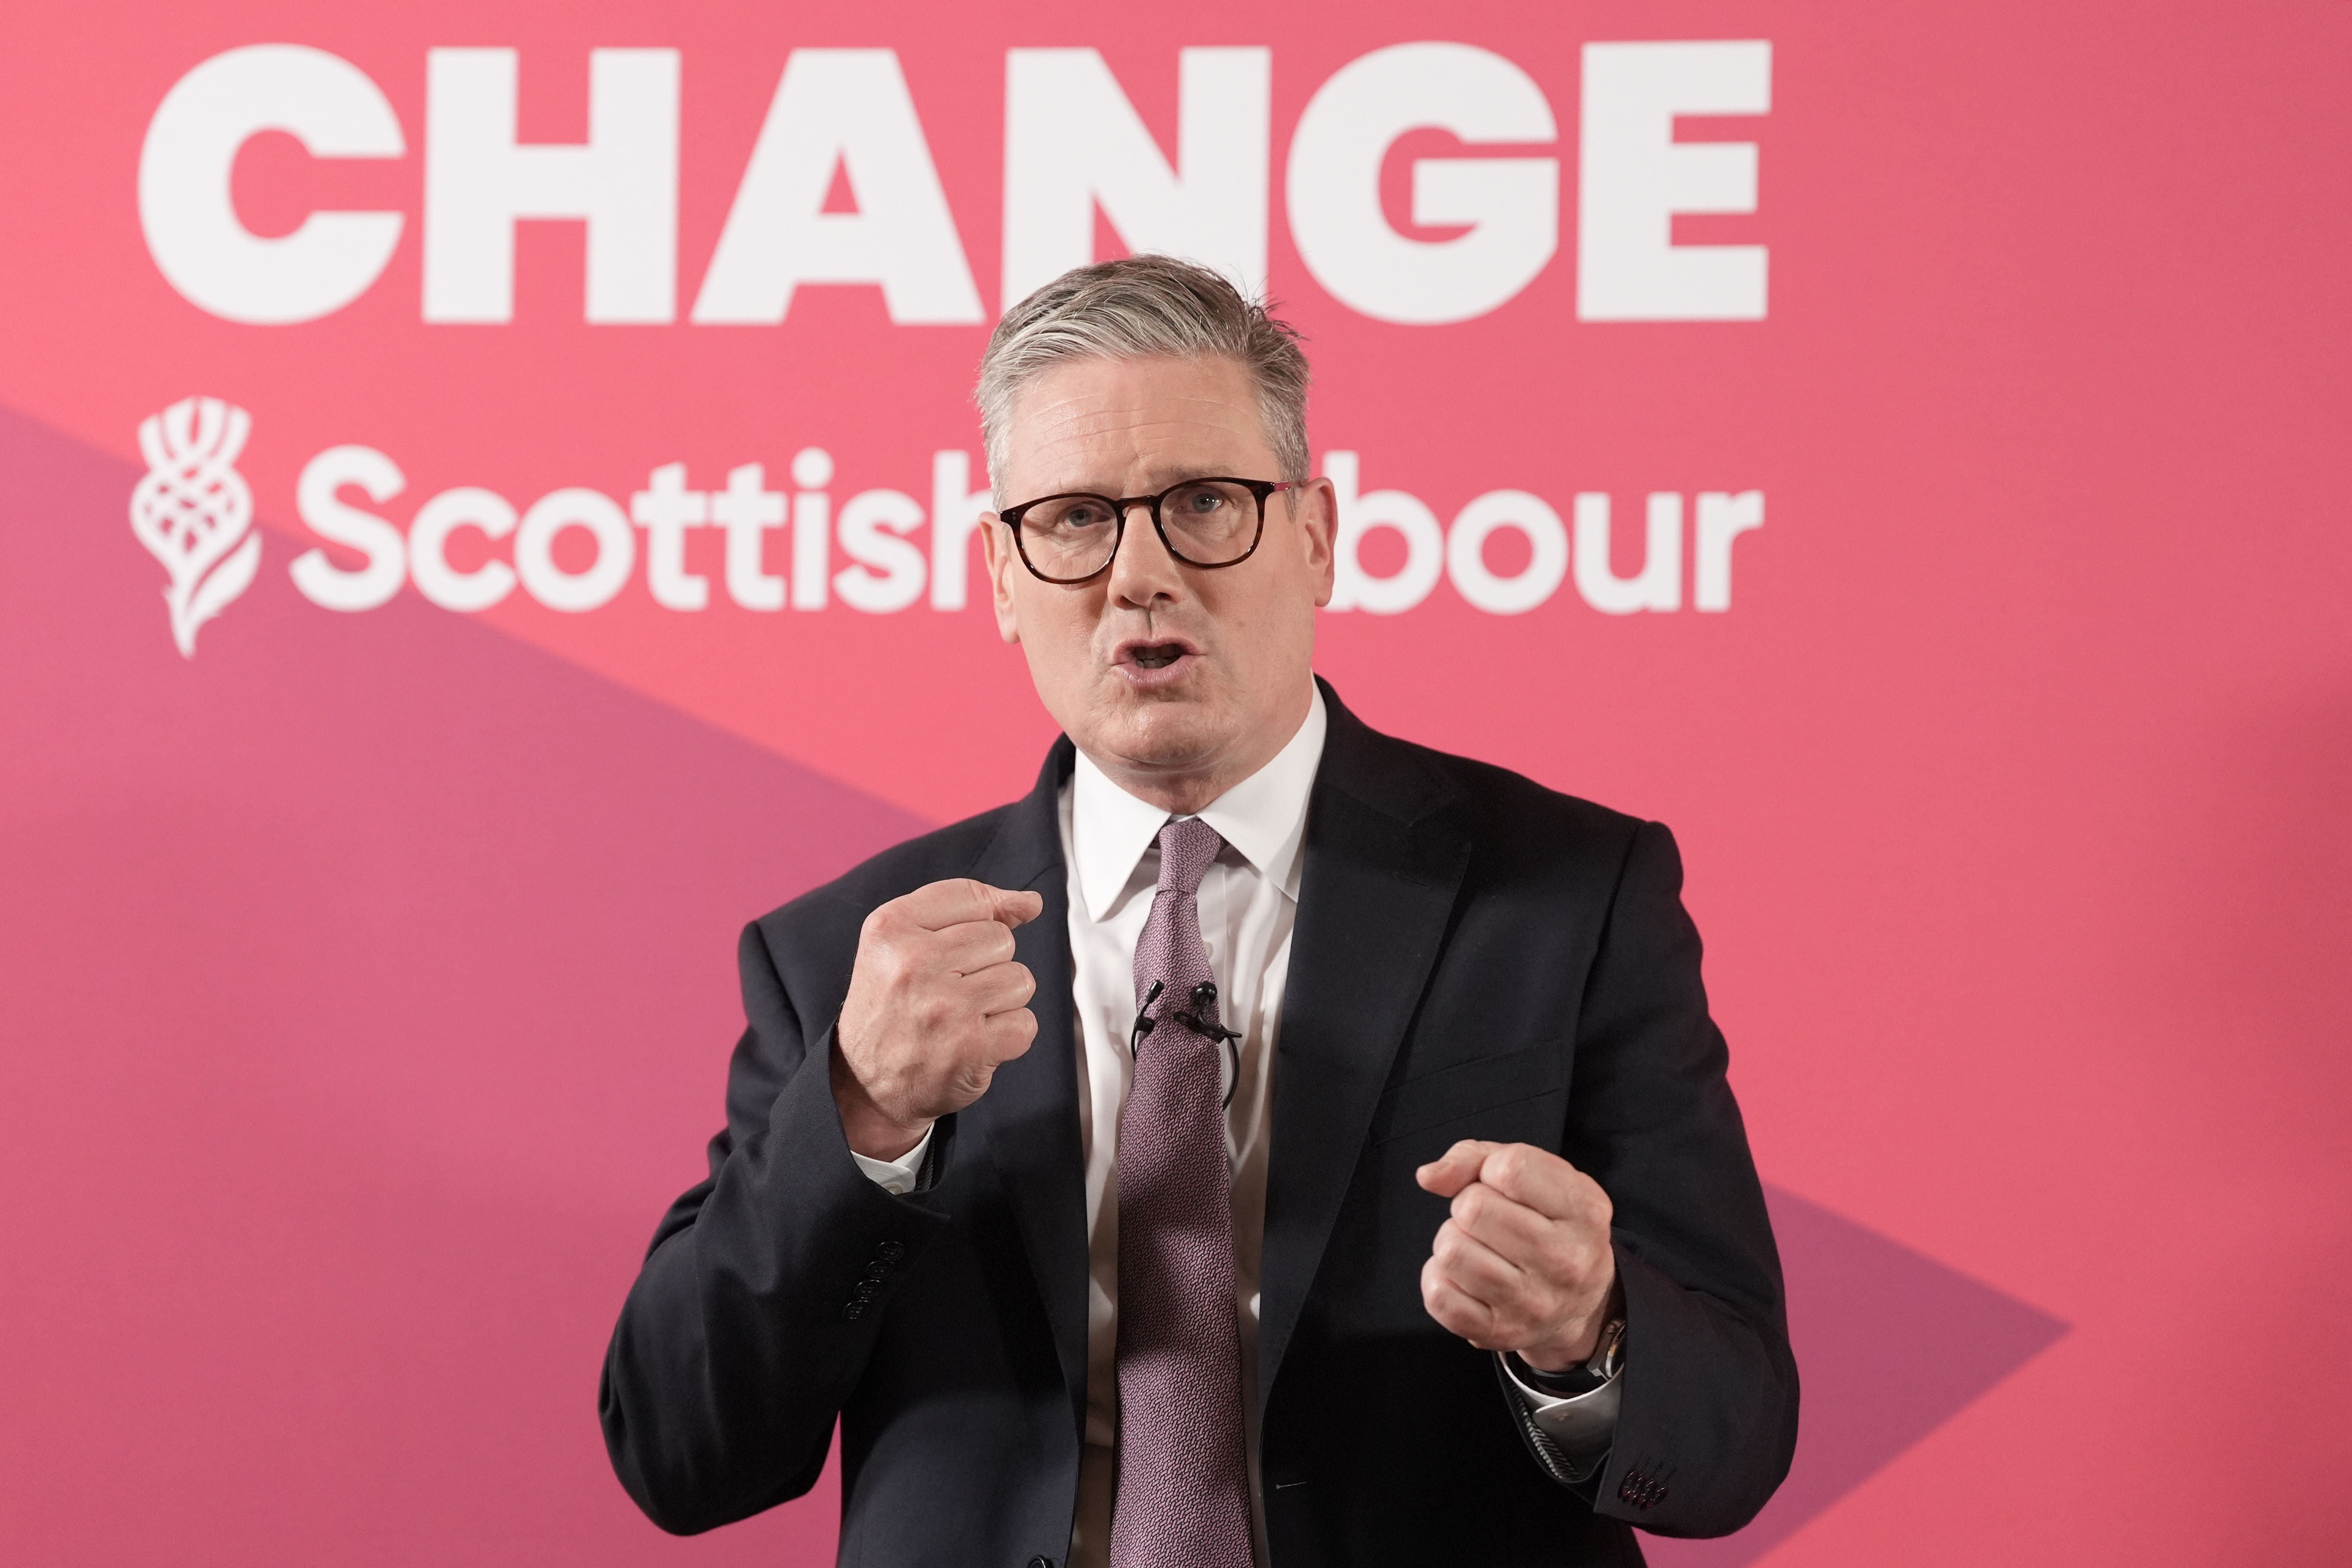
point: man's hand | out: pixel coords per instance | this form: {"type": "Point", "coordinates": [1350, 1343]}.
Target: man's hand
{"type": "Point", "coordinates": [1525, 1263]}
{"type": "Point", "coordinates": [935, 1004]}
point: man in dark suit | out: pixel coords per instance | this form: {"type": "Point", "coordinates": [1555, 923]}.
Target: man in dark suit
{"type": "Point", "coordinates": [1268, 1141]}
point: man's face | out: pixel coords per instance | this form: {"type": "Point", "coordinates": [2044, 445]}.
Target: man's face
{"type": "Point", "coordinates": [1169, 675]}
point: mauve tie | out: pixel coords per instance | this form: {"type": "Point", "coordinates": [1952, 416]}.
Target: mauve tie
{"type": "Point", "coordinates": [1183, 1481]}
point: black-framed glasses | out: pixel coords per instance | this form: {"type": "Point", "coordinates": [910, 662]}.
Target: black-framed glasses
{"type": "Point", "coordinates": [1208, 523]}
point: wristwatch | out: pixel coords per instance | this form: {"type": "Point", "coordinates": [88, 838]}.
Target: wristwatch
{"type": "Point", "coordinates": [1568, 1418]}
{"type": "Point", "coordinates": [1607, 1358]}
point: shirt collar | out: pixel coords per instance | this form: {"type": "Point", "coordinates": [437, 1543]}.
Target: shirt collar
{"type": "Point", "coordinates": [1263, 817]}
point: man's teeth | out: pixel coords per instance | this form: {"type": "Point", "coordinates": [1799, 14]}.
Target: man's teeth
{"type": "Point", "coordinates": [1158, 657]}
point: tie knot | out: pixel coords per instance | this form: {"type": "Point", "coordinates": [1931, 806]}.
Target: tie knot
{"type": "Point", "coordinates": [1187, 846]}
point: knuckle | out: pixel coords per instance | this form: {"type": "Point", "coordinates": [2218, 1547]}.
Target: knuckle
{"type": "Point", "coordinates": [1010, 1034]}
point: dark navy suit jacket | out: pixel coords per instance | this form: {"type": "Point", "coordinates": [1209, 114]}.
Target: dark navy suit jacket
{"type": "Point", "coordinates": [1475, 956]}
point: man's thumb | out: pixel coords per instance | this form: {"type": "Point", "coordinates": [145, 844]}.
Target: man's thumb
{"type": "Point", "coordinates": [1014, 909]}
{"type": "Point", "coordinates": [1453, 1170]}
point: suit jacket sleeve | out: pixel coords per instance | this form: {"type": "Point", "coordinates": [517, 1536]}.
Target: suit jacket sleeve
{"type": "Point", "coordinates": [738, 1344]}
{"type": "Point", "coordinates": [1708, 1421]}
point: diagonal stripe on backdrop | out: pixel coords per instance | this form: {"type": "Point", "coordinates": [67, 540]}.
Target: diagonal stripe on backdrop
{"type": "Point", "coordinates": [1890, 1344]}
{"type": "Point", "coordinates": [370, 994]}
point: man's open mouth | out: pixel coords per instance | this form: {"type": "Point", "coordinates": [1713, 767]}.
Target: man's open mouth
{"type": "Point", "coordinates": [1159, 656]}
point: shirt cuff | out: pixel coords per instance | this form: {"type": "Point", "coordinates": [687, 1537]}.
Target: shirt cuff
{"type": "Point", "coordinates": [897, 1176]}
{"type": "Point", "coordinates": [1581, 1427]}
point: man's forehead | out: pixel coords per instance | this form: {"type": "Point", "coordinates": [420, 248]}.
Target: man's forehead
{"type": "Point", "coordinates": [1090, 414]}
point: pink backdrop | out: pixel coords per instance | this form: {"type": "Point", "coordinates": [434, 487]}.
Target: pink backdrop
{"type": "Point", "coordinates": [368, 971]}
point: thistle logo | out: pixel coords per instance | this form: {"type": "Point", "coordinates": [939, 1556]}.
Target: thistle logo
{"type": "Point", "coordinates": [193, 509]}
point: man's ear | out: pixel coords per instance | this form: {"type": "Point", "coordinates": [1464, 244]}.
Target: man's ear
{"type": "Point", "coordinates": [1317, 505]}
{"type": "Point", "coordinates": [996, 550]}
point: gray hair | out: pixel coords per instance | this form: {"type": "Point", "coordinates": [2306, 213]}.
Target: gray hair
{"type": "Point", "coordinates": [1146, 307]}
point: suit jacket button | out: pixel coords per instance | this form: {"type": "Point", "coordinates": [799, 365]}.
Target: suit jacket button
{"type": "Point", "coordinates": [1041, 1562]}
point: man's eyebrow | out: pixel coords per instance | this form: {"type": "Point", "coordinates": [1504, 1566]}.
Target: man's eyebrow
{"type": "Point", "coordinates": [1176, 473]}
{"type": "Point", "coordinates": [1158, 479]}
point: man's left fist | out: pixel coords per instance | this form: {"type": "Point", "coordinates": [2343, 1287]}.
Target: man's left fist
{"type": "Point", "coordinates": [1525, 1262]}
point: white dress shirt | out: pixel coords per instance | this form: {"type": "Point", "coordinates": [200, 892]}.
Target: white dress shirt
{"type": "Point", "coordinates": [1249, 904]}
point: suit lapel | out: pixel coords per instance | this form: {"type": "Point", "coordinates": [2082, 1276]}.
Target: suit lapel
{"type": "Point", "coordinates": [1375, 895]}
{"type": "Point", "coordinates": [1028, 1119]}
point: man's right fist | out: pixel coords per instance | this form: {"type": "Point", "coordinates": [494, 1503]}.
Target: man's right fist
{"type": "Point", "coordinates": [935, 1004]}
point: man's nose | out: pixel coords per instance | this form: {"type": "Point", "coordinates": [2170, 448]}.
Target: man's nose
{"type": "Point", "coordinates": [1143, 570]}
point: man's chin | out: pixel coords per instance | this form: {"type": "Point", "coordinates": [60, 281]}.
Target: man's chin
{"type": "Point", "coordinates": [1166, 730]}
